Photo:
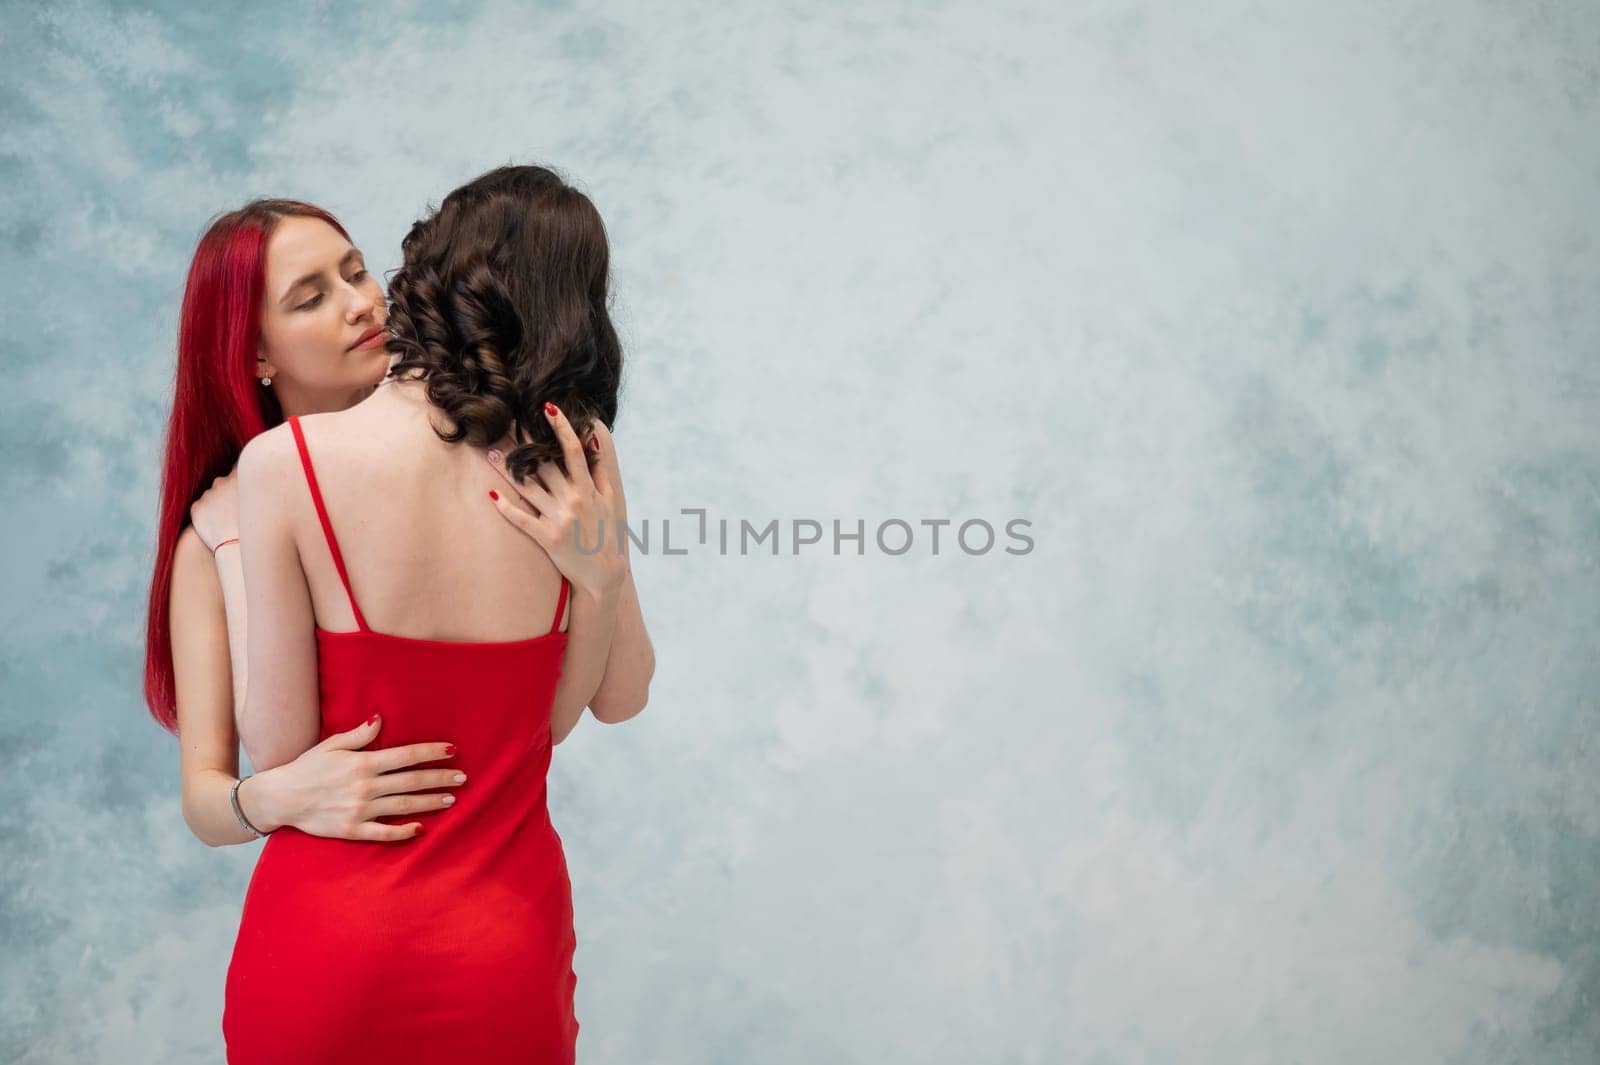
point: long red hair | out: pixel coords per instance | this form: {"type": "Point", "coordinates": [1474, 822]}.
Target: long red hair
{"type": "Point", "coordinates": [217, 405]}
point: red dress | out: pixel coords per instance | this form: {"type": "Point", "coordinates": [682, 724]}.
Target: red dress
{"type": "Point", "coordinates": [453, 946]}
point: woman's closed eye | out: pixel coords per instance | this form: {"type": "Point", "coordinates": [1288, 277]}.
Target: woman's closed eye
{"type": "Point", "coordinates": [355, 279]}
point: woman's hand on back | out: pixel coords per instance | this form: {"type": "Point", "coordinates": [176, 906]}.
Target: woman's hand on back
{"type": "Point", "coordinates": [215, 515]}
{"type": "Point", "coordinates": [583, 502]}
{"type": "Point", "coordinates": [335, 789]}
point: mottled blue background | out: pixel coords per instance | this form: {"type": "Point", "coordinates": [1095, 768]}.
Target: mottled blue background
{"type": "Point", "coordinates": [1280, 324]}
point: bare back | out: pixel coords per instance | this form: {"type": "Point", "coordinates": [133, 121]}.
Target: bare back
{"type": "Point", "coordinates": [427, 554]}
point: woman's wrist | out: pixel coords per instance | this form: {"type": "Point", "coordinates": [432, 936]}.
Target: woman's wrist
{"type": "Point", "coordinates": [610, 580]}
{"type": "Point", "coordinates": [603, 599]}
{"type": "Point", "coordinates": [258, 801]}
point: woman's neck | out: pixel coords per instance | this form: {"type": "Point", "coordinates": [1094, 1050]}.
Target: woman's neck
{"type": "Point", "coordinates": [410, 390]}
{"type": "Point", "coordinates": [294, 403]}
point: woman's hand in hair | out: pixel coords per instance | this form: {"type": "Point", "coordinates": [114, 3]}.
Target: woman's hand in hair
{"type": "Point", "coordinates": [582, 503]}
{"type": "Point", "coordinates": [215, 515]}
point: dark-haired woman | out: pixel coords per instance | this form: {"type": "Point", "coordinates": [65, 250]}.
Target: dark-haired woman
{"type": "Point", "coordinates": [280, 316]}
{"type": "Point", "coordinates": [421, 551]}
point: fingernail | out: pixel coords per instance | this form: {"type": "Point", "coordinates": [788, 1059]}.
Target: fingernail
{"type": "Point", "coordinates": [550, 408]}
{"type": "Point", "coordinates": [372, 720]}
{"type": "Point", "coordinates": [494, 456]}
{"type": "Point", "coordinates": [448, 799]}
{"type": "Point", "coordinates": [460, 778]}
{"type": "Point", "coordinates": [419, 828]}
{"type": "Point", "coordinates": [493, 494]}
{"type": "Point", "coordinates": [449, 749]}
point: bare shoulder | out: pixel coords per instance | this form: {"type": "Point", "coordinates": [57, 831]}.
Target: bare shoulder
{"type": "Point", "coordinates": [268, 455]}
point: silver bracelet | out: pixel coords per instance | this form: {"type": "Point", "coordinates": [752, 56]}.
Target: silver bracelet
{"type": "Point", "coordinates": [244, 822]}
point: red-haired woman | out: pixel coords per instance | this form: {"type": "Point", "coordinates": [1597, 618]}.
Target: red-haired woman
{"type": "Point", "coordinates": [268, 329]}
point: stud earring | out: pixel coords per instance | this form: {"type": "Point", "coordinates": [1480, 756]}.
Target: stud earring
{"type": "Point", "coordinates": [266, 382]}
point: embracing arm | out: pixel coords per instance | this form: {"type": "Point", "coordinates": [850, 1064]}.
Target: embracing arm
{"type": "Point", "coordinates": [608, 659]}
{"type": "Point", "coordinates": [608, 656]}
{"type": "Point", "coordinates": [591, 623]}
{"type": "Point", "coordinates": [208, 744]}
{"type": "Point", "coordinates": [230, 574]}
{"type": "Point", "coordinates": [631, 662]}
{"type": "Point", "coordinates": [279, 721]}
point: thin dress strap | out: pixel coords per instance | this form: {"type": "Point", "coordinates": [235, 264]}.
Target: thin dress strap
{"type": "Point", "coordinates": [322, 515]}
{"type": "Point", "coordinates": [561, 604]}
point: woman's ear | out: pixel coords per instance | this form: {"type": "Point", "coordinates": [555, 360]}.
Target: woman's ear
{"type": "Point", "coordinates": [264, 369]}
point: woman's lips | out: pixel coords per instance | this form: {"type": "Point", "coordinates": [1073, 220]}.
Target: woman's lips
{"type": "Point", "coordinates": [370, 339]}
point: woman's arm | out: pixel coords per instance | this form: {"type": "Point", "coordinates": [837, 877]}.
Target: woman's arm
{"type": "Point", "coordinates": [280, 719]}
{"type": "Point", "coordinates": [585, 492]}
{"type": "Point", "coordinates": [631, 662]}
{"type": "Point", "coordinates": [230, 575]}
{"type": "Point", "coordinates": [208, 744]}
{"type": "Point", "coordinates": [215, 517]}
{"type": "Point", "coordinates": [625, 686]}
{"type": "Point", "coordinates": [612, 631]}
{"type": "Point", "coordinates": [592, 619]}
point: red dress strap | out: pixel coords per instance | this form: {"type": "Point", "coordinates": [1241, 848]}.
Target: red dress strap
{"type": "Point", "coordinates": [322, 515]}
{"type": "Point", "coordinates": [561, 605]}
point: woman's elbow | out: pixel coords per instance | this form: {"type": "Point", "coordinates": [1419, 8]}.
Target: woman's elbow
{"type": "Point", "coordinates": [617, 710]}
{"type": "Point", "coordinates": [192, 819]}
{"type": "Point", "coordinates": [266, 751]}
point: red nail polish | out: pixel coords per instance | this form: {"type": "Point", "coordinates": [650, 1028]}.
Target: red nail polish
{"type": "Point", "coordinates": [449, 749]}
{"type": "Point", "coordinates": [550, 408]}
{"type": "Point", "coordinates": [419, 828]}
{"type": "Point", "coordinates": [371, 719]}
{"type": "Point", "coordinates": [493, 494]}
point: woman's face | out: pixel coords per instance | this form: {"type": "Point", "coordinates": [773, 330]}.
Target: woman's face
{"type": "Point", "coordinates": [322, 336]}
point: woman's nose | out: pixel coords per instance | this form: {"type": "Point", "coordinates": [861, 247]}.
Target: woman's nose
{"type": "Point", "coordinates": [361, 305]}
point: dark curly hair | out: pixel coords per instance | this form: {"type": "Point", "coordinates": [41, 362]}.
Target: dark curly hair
{"type": "Point", "coordinates": [501, 303]}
